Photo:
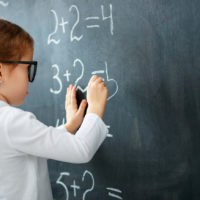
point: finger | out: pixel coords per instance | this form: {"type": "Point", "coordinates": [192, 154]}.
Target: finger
{"type": "Point", "coordinates": [82, 107]}
{"type": "Point", "coordinates": [102, 83]}
{"type": "Point", "coordinates": [73, 97]}
{"type": "Point", "coordinates": [99, 80]}
{"type": "Point", "coordinates": [68, 95]}
{"type": "Point", "coordinates": [93, 78]}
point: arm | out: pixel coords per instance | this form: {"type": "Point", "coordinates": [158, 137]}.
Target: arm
{"type": "Point", "coordinates": [65, 127]}
{"type": "Point", "coordinates": [28, 135]}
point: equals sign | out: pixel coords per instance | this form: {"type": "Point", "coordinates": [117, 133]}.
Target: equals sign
{"type": "Point", "coordinates": [92, 18]}
{"type": "Point", "coordinates": [112, 192]}
{"type": "Point", "coordinates": [98, 72]}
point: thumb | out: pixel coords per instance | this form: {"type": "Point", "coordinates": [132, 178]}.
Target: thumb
{"type": "Point", "coordinates": [82, 106]}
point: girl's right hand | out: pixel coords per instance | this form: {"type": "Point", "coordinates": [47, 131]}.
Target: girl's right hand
{"type": "Point", "coordinates": [97, 94]}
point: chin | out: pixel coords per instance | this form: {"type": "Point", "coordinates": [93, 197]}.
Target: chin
{"type": "Point", "coordinates": [18, 103]}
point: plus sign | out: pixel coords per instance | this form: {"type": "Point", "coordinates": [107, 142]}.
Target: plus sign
{"type": "Point", "coordinates": [67, 74]}
{"type": "Point", "coordinates": [63, 24]}
{"type": "Point", "coordinates": [74, 186]}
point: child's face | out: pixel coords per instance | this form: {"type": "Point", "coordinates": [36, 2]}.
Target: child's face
{"type": "Point", "coordinates": [16, 84]}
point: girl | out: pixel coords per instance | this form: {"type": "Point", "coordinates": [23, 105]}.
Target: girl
{"type": "Point", "coordinates": [25, 142]}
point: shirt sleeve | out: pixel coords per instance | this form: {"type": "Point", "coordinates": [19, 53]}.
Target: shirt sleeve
{"type": "Point", "coordinates": [61, 127]}
{"type": "Point", "coordinates": [29, 135]}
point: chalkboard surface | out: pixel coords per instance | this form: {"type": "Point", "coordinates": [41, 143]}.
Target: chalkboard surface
{"type": "Point", "coordinates": [148, 52]}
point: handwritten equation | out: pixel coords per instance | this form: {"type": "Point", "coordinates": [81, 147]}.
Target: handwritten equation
{"type": "Point", "coordinates": [91, 22]}
{"type": "Point", "coordinates": [72, 26]}
{"type": "Point", "coordinates": [79, 64]}
{"type": "Point", "coordinates": [112, 193]}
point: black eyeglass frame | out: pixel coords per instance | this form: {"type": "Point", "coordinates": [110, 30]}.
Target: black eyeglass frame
{"type": "Point", "coordinates": [25, 62]}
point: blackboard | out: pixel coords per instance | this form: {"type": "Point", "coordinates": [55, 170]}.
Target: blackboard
{"type": "Point", "coordinates": [148, 53]}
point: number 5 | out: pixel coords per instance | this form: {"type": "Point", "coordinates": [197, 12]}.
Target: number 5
{"type": "Point", "coordinates": [63, 185]}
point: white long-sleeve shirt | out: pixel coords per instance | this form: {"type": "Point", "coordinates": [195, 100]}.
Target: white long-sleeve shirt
{"type": "Point", "coordinates": [26, 144]}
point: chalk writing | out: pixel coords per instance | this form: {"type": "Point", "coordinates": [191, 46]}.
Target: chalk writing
{"type": "Point", "coordinates": [77, 63]}
{"type": "Point", "coordinates": [62, 23]}
{"type": "Point", "coordinates": [76, 188]}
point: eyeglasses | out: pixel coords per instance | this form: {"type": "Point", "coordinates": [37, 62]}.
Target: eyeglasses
{"type": "Point", "coordinates": [32, 68]}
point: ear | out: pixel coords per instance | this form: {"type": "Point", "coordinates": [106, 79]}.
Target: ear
{"type": "Point", "coordinates": [1, 69]}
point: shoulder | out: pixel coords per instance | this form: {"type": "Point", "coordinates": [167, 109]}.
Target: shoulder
{"type": "Point", "coordinates": [10, 113]}
{"type": "Point", "coordinates": [15, 121]}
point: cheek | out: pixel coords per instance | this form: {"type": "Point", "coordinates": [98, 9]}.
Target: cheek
{"type": "Point", "coordinates": [23, 79]}
{"type": "Point", "coordinates": [26, 77]}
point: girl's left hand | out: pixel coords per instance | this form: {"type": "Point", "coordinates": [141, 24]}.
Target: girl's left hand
{"type": "Point", "coordinates": [74, 116]}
